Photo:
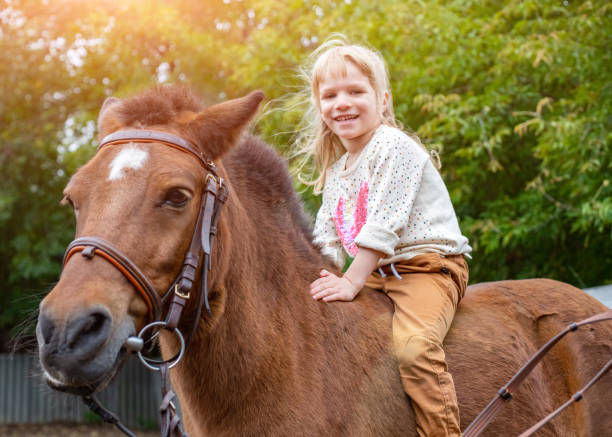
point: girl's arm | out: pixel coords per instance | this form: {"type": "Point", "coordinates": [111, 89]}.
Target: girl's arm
{"type": "Point", "coordinates": [330, 287]}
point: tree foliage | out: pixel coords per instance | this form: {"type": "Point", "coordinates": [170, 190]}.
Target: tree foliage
{"type": "Point", "coordinates": [516, 96]}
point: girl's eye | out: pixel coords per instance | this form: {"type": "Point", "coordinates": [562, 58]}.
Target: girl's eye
{"type": "Point", "coordinates": [177, 198]}
{"type": "Point", "coordinates": [328, 96]}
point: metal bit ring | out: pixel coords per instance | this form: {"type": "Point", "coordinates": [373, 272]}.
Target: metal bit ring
{"type": "Point", "coordinates": [174, 360]}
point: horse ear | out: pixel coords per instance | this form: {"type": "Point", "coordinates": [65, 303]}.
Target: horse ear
{"type": "Point", "coordinates": [106, 124]}
{"type": "Point", "coordinates": [218, 127]}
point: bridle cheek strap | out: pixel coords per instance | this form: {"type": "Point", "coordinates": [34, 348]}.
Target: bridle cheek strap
{"type": "Point", "coordinates": [213, 199]}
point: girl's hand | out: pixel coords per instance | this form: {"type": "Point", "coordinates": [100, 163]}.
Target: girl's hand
{"type": "Point", "coordinates": [330, 287]}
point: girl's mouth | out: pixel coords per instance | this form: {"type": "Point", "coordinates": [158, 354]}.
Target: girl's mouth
{"type": "Point", "coordinates": [345, 117]}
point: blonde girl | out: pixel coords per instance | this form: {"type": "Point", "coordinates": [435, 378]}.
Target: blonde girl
{"type": "Point", "coordinates": [385, 204]}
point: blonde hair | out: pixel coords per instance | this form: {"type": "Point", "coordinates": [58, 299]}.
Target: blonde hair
{"type": "Point", "coordinates": [315, 139]}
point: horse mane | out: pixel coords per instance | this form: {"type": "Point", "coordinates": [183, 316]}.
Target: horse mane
{"type": "Point", "coordinates": [265, 177]}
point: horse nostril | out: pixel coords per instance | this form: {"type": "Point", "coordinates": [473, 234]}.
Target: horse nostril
{"type": "Point", "coordinates": [88, 327]}
{"type": "Point", "coordinates": [89, 331]}
{"type": "Point", "coordinates": [45, 328]}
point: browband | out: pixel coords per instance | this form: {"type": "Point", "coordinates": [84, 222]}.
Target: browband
{"type": "Point", "coordinates": [151, 136]}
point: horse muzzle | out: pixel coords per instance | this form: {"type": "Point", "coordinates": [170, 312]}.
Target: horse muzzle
{"type": "Point", "coordinates": [82, 354]}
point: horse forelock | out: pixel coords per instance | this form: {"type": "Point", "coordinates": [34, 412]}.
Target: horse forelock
{"type": "Point", "coordinates": [176, 109]}
{"type": "Point", "coordinates": [161, 105]}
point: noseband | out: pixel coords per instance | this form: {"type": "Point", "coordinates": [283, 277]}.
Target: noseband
{"type": "Point", "coordinates": [213, 197]}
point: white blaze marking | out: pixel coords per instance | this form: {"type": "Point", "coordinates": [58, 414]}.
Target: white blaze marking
{"type": "Point", "coordinates": [129, 157]}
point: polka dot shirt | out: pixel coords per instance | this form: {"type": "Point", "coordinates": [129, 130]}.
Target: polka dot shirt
{"type": "Point", "coordinates": [392, 199]}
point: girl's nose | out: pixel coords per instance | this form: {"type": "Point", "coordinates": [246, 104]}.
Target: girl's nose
{"type": "Point", "coordinates": [343, 102]}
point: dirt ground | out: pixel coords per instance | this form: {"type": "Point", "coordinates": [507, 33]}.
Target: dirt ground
{"type": "Point", "coordinates": [66, 430]}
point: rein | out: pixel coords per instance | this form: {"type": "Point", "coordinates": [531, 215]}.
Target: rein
{"type": "Point", "coordinates": [180, 291]}
{"type": "Point", "coordinates": [504, 394]}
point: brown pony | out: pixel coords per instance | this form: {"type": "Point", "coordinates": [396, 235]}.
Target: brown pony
{"type": "Point", "coordinates": [269, 360]}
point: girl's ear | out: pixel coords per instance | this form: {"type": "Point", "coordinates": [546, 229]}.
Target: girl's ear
{"type": "Point", "coordinates": [385, 101]}
{"type": "Point", "coordinates": [217, 128]}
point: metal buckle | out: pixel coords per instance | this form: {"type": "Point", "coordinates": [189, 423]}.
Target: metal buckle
{"type": "Point", "coordinates": [179, 294]}
{"type": "Point", "coordinates": [211, 177]}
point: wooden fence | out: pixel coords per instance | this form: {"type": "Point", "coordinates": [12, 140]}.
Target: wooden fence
{"type": "Point", "coordinates": [134, 395]}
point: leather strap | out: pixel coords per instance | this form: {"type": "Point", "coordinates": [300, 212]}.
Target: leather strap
{"type": "Point", "coordinates": [209, 209]}
{"type": "Point", "coordinates": [187, 276]}
{"type": "Point", "coordinates": [170, 421]}
{"type": "Point", "coordinates": [90, 246]}
{"type": "Point", "coordinates": [206, 264]}
{"type": "Point", "coordinates": [505, 393]}
{"type": "Point", "coordinates": [151, 136]}
{"type": "Point", "coordinates": [212, 200]}
{"type": "Point", "coordinates": [222, 196]}
{"type": "Point", "coordinates": [106, 415]}
{"type": "Point", "coordinates": [576, 397]}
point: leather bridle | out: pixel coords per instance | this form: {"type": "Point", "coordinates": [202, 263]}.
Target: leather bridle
{"type": "Point", "coordinates": [198, 255]}
{"type": "Point", "coordinates": [215, 193]}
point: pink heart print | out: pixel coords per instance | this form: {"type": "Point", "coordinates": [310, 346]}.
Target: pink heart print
{"type": "Point", "coordinates": [348, 231]}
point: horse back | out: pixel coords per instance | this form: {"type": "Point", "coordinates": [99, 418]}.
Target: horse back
{"type": "Point", "coordinates": [500, 325]}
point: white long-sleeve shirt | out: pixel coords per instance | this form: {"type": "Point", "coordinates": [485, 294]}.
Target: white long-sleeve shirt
{"type": "Point", "coordinates": [392, 199]}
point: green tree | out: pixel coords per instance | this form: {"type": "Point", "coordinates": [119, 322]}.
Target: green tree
{"type": "Point", "coordinates": [515, 95]}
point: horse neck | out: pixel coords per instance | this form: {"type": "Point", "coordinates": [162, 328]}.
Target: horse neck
{"type": "Point", "coordinates": [263, 282]}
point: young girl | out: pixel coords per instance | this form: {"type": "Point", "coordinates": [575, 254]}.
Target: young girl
{"type": "Point", "coordinates": [385, 204]}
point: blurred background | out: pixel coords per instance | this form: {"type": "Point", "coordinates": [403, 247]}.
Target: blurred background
{"type": "Point", "coordinates": [515, 95]}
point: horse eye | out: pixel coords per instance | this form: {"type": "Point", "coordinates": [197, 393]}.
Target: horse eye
{"type": "Point", "coordinates": [177, 198]}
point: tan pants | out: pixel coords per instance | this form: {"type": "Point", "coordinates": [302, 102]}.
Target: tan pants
{"type": "Point", "coordinates": [425, 301]}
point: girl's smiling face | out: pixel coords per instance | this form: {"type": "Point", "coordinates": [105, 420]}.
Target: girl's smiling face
{"type": "Point", "coordinates": [347, 103]}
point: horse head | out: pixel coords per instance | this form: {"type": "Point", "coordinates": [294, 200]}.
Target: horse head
{"type": "Point", "coordinates": [142, 198]}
